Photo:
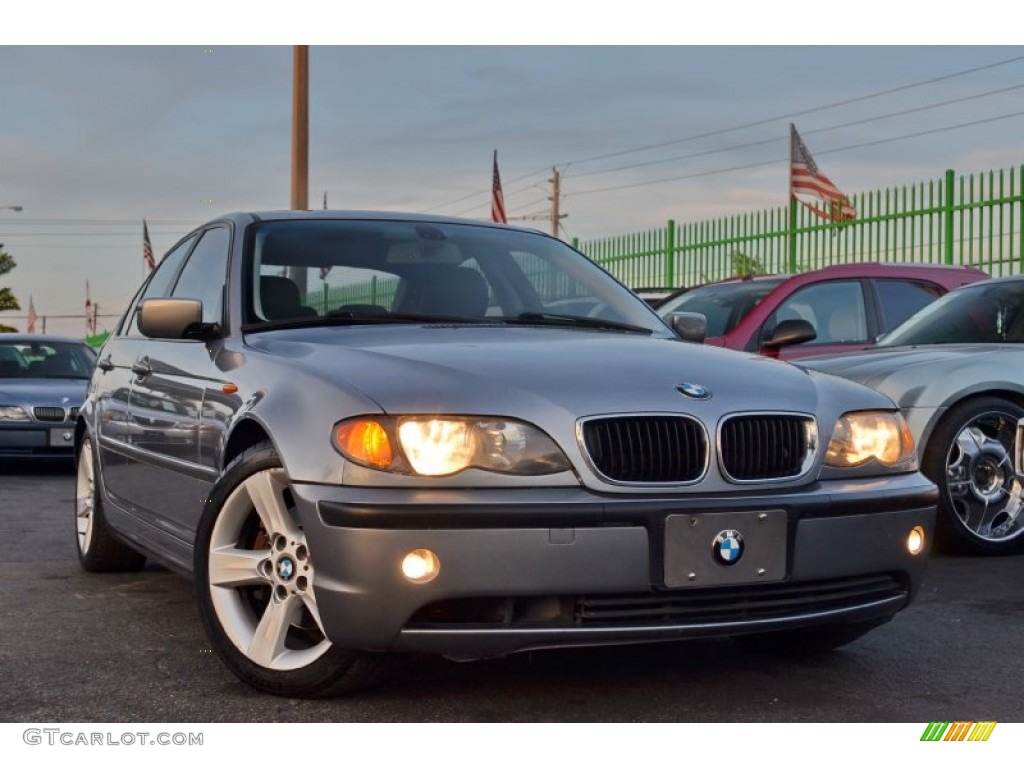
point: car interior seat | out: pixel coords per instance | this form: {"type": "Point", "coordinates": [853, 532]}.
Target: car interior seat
{"type": "Point", "coordinates": [280, 299]}
{"type": "Point", "coordinates": [54, 365]}
{"type": "Point", "coordinates": [439, 289]}
{"type": "Point", "coordinates": [845, 324]}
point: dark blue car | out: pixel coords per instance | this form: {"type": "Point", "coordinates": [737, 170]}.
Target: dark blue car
{"type": "Point", "coordinates": [43, 381]}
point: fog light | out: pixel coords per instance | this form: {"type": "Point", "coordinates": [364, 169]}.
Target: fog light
{"type": "Point", "coordinates": [915, 540]}
{"type": "Point", "coordinates": [421, 566]}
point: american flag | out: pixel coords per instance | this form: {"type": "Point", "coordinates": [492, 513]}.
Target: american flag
{"type": "Point", "coordinates": [31, 316]}
{"type": "Point", "coordinates": [806, 179]}
{"type": "Point", "coordinates": [497, 199]}
{"type": "Point", "coordinates": [147, 248]}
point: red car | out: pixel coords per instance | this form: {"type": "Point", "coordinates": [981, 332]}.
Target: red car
{"type": "Point", "coordinates": [825, 311]}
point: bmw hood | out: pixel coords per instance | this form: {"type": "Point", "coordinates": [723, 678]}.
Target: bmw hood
{"type": "Point", "coordinates": [43, 392]}
{"type": "Point", "coordinates": [522, 372]}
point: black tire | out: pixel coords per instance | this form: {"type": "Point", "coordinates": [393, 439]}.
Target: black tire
{"type": "Point", "coordinates": [969, 456]}
{"type": "Point", "coordinates": [809, 641]}
{"type": "Point", "coordinates": [98, 550]}
{"type": "Point", "coordinates": [300, 661]}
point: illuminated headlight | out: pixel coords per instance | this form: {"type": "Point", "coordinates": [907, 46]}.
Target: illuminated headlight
{"type": "Point", "coordinates": [434, 446]}
{"type": "Point", "coordinates": [12, 413]}
{"type": "Point", "coordinates": [860, 437]}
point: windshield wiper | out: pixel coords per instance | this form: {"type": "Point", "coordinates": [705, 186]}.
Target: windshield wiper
{"type": "Point", "coordinates": [362, 318]}
{"type": "Point", "coordinates": [570, 321]}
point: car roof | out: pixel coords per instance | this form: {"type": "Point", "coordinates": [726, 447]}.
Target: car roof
{"type": "Point", "coordinates": [293, 215]}
{"type": "Point", "coordinates": [861, 269]}
{"type": "Point", "coordinates": [28, 338]}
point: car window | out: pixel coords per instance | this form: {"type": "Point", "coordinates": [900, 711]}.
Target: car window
{"type": "Point", "coordinates": [205, 272]}
{"type": "Point", "coordinates": [982, 313]}
{"type": "Point", "coordinates": [45, 360]}
{"type": "Point", "coordinates": [835, 309]}
{"type": "Point", "coordinates": [724, 305]}
{"type": "Point", "coordinates": [159, 285]}
{"type": "Point", "coordinates": [298, 270]}
{"type": "Point", "coordinates": [899, 299]}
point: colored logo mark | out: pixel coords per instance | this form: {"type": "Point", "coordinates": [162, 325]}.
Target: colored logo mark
{"type": "Point", "coordinates": [959, 731]}
{"type": "Point", "coordinates": [727, 547]}
{"type": "Point", "coordinates": [696, 391]}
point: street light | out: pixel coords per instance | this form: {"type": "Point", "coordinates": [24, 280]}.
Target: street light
{"type": "Point", "coordinates": [15, 208]}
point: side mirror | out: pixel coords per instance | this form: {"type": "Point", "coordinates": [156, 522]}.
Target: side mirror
{"type": "Point", "coordinates": [170, 318]}
{"type": "Point", "coordinates": [689, 326]}
{"type": "Point", "coordinates": [790, 332]}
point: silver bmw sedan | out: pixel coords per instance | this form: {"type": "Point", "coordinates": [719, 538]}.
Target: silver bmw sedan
{"type": "Point", "coordinates": [364, 433]}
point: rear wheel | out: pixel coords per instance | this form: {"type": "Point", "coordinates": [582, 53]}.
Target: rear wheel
{"type": "Point", "coordinates": [98, 550]}
{"type": "Point", "coordinates": [254, 580]}
{"type": "Point", "coordinates": [970, 457]}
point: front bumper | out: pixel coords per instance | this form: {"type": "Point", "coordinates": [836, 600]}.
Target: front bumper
{"type": "Point", "coordinates": [31, 439]}
{"type": "Point", "coordinates": [541, 568]}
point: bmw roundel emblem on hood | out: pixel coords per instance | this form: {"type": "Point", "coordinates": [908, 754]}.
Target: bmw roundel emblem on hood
{"type": "Point", "coordinates": [728, 547]}
{"type": "Point", "coordinates": [696, 391]}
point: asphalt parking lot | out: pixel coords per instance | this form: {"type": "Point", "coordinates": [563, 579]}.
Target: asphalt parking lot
{"type": "Point", "coordinates": [129, 647]}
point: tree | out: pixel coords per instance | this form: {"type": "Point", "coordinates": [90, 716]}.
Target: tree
{"type": "Point", "coordinates": [745, 266]}
{"type": "Point", "coordinates": [7, 300]}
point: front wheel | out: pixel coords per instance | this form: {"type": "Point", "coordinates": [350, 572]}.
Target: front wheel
{"type": "Point", "coordinates": [98, 550]}
{"type": "Point", "coordinates": [970, 457]}
{"type": "Point", "coordinates": [254, 580]}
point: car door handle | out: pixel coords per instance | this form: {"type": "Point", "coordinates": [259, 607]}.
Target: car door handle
{"type": "Point", "coordinates": [106, 364]}
{"type": "Point", "coordinates": [141, 367]}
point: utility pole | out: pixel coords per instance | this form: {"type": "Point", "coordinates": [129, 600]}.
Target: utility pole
{"type": "Point", "coordinates": [300, 144]}
{"type": "Point", "coordinates": [556, 196]}
{"type": "Point", "coordinates": [300, 128]}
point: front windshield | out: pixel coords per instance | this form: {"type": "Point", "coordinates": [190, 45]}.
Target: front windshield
{"type": "Point", "coordinates": [305, 270]}
{"type": "Point", "coordinates": [45, 360]}
{"type": "Point", "coordinates": [724, 305]}
{"type": "Point", "coordinates": [983, 313]}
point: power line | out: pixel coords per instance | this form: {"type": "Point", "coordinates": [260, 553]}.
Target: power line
{"type": "Point", "coordinates": [717, 171]}
{"type": "Point", "coordinates": [119, 222]}
{"type": "Point", "coordinates": [485, 192]}
{"type": "Point", "coordinates": [762, 142]}
{"type": "Point", "coordinates": [790, 115]}
{"type": "Point", "coordinates": [917, 84]}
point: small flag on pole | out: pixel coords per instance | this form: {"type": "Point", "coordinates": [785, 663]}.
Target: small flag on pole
{"type": "Point", "coordinates": [497, 199]}
{"type": "Point", "coordinates": [31, 316]}
{"type": "Point", "coordinates": [147, 248]}
{"type": "Point", "coordinates": [88, 310]}
{"type": "Point", "coordinates": [806, 179]}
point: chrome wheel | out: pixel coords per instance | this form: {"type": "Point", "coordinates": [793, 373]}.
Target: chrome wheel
{"type": "Point", "coordinates": [99, 549]}
{"type": "Point", "coordinates": [981, 483]}
{"type": "Point", "coordinates": [980, 486]}
{"type": "Point", "coordinates": [85, 497]}
{"type": "Point", "coordinates": [261, 576]}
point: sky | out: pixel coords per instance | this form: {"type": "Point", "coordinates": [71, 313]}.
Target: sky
{"type": "Point", "coordinates": [95, 138]}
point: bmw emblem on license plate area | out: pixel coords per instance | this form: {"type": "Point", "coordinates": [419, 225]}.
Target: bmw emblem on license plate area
{"type": "Point", "coordinates": [727, 548]}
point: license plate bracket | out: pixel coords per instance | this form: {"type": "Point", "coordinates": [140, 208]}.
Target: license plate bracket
{"type": "Point", "coordinates": [62, 437]}
{"type": "Point", "coordinates": [715, 549]}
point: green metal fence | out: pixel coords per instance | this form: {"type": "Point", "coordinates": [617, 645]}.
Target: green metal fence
{"type": "Point", "coordinates": [967, 220]}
